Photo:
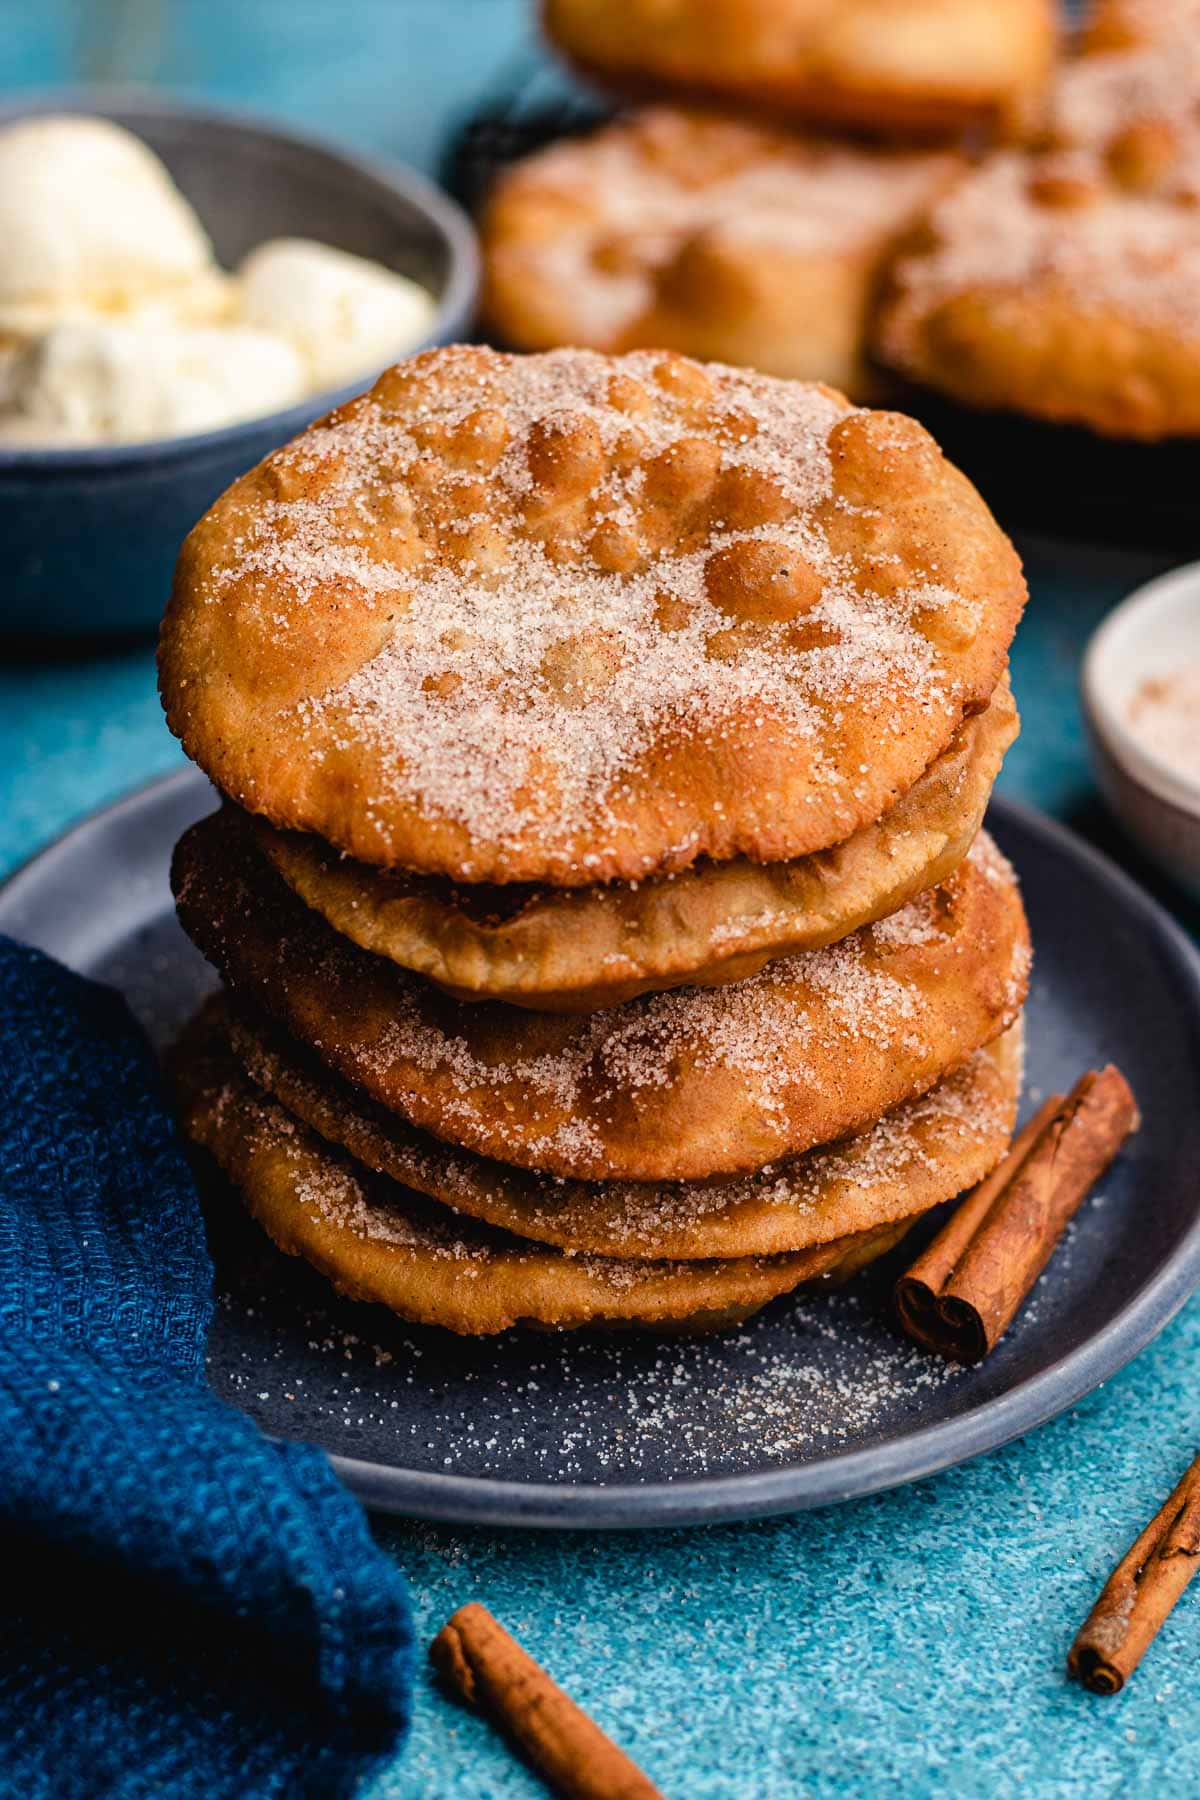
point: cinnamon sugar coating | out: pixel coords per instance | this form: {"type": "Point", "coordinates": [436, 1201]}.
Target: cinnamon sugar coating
{"type": "Point", "coordinates": [1065, 283]}
{"type": "Point", "coordinates": [377, 1241]}
{"type": "Point", "coordinates": [704, 234]}
{"type": "Point", "coordinates": [569, 619]}
{"type": "Point", "coordinates": [676, 1086]}
{"type": "Point", "coordinates": [932, 66]}
{"type": "Point", "coordinates": [1123, 24]}
{"type": "Point", "coordinates": [919, 1154]}
{"type": "Point", "coordinates": [582, 949]}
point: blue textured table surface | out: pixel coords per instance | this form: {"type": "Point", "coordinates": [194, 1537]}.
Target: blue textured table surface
{"type": "Point", "coordinates": [915, 1640]}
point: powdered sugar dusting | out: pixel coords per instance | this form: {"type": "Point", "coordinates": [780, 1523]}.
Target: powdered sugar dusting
{"type": "Point", "coordinates": [374, 1209]}
{"type": "Point", "coordinates": [967, 1110]}
{"type": "Point", "coordinates": [566, 594]}
{"type": "Point", "coordinates": [641, 1047]}
{"type": "Point", "coordinates": [562, 1091]}
{"type": "Point", "coordinates": [914, 924]}
{"type": "Point", "coordinates": [1108, 214]}
{"type": "Point", "coordinates": [819, 1370]}
{"type": "Point", "coordinates": [332, 1188]}
{"type": "Point", "coordinates": [1117, 24]}
{"type": "Point", "coordinates": [1097, 98]}
{"type": "Point", "coordinates": [635, 196]}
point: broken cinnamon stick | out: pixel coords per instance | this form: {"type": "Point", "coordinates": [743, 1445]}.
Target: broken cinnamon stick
{"type": "Point", "coordinates": [489, 1670]}
{"type": "Point", "coordinates": [965, 1289]}
{"type": "Point", "coordinates": [1140, 1593]}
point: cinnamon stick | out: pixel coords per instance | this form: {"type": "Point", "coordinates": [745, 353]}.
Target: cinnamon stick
{"type": "Point", "coordinates": [489, 1670]}
{"type": "Point", "coordinates": [965, 1289]}
{"type": "Point", "coordinates": [1140, 1593]}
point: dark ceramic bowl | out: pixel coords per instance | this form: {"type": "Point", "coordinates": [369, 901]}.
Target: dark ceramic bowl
{"type": "Point", "coordinates": [90, 535]}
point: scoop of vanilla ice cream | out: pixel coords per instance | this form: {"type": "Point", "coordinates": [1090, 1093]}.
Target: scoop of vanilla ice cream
{"type": "Point", "coordinates": [90, 222]}
{"type": "Point", "coordinates": [346, 316]}
{"type": "Point", "coordinates": [96, 382]}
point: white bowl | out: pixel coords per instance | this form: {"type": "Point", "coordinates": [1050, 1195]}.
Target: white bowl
{"type": "Point", "coordinates": [1155, 632]}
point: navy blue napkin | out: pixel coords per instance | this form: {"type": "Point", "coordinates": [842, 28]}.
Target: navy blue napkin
{"type": "Point", "coordinates": [190, 1608]}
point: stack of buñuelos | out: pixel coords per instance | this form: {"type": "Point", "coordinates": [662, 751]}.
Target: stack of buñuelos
{"type": "Point", "coordinates": [606, 926]}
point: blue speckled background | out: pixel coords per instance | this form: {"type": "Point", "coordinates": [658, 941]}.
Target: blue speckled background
{"type": "Point", "coordinates": [914, 1641]}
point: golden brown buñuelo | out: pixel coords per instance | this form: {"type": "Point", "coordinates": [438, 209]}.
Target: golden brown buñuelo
{"type": "Point", "coordinates": [379, 1242]}
{"type": "Point", "coordinates": [905, 66]}
{"type": "Point", "coordinates": [582, 949]}
{"type": "Point", "coordinates": [673, 1086]}
{"type": "Point", "coordinates": [573, 619]}
{"type": "Point", "coordinates": [918, 1154]}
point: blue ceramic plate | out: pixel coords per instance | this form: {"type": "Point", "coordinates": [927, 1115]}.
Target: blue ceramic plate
{"type": "Point", "coordinates": [816, 1399]}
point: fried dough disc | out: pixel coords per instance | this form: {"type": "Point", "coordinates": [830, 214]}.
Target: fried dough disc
{"type": "Point", "coordinates": [575, 618]}
{"type": "Point", "coordinates": [706, 234]}
{"type": "Point", "coordinates": [924, 66]}
{"type": "Point", "coordinates": [1062, 284]}
{"type": "Point", "coordinates": [670, 1087]}
{"type": "Point", "coordinates": [377, 1241]}
{"type": "Point", "coordinates": [582, 949]}
{"type": "Point", "coordinates": [1123, 24]}
{"type": "Point", "coordinates": [921, 1153]}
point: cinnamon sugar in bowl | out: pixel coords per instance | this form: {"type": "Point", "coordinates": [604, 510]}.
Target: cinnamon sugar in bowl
{"type": "Point", "coordinates": [1141, 698]}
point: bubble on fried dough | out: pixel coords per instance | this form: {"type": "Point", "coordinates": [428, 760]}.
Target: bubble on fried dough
{"type": "Point", "coordinates": [657, 579]}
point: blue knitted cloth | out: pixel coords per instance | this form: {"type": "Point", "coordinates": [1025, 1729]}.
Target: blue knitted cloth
{"type": "Point", "coordinates": [189, 1608]}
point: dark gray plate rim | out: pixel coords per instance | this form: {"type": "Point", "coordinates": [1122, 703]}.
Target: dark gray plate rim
{"type": "Point", "coordinates": [480, 1500]}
